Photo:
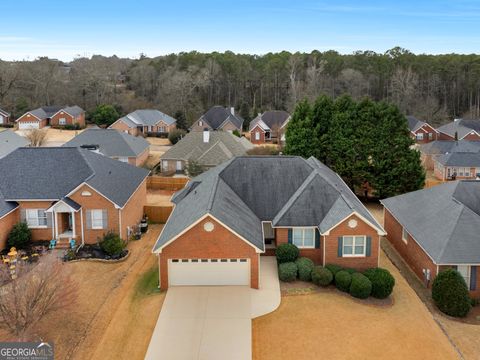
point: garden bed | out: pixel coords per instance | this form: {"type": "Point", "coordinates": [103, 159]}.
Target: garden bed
{"type": "Point", "coordinates": [93, 252]}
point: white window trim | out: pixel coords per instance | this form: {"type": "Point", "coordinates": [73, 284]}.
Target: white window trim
{"type": "Point", "coordinates": [419, 136]}
{"type": "Point", "coordinates": [353, 246]}
{"type": "Point", "coordinates": [30, 226]}
{"type": "Point", "coordinates": [257, 135]}
{"type": "Point", "coordinates": [468, 276]}
{"type": "Point", "coordinates": [303, 238]}
{"type": "Point", "coordinates": [62, 121]}
{"type": "Point", "coordinates": [95, 220]}
{"type": "Point", "coordinates": [404, 238]}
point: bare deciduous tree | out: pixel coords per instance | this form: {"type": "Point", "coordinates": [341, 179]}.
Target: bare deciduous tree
{"type": "Point", "coordinates": [36, 137]}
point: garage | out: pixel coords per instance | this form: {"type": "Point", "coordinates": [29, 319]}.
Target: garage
{"type": "Point", "coordinates": [26, 125]}
{"type": "Point", "coordinates": [191, 272]}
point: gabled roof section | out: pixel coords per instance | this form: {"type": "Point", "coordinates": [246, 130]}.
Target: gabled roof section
{"type": "Point", "coordinates": [444, 220]}
{"type": "Point", "coordinates": [272, 119]}
{"type": "Point", "coordinates": [414, 124]}
{"type": "Point", "coordinates": [216, 116]}
{"type": "Point", "coordinates": [438, 147]}
{"type": "Point", "coordinates": [73, 110]}
{"type": "Point", "coordinates": [6, 206]}
{"type": "Point", "coordinates": [111, 142]}
{"type": "Point", "coordinates": [462, 159]}
{"type": "Point", "coordinates": [149, 117]}
{"type": "Point", "coordinates": [462, 127]}
{"type": "Point", "coordinates": [4, 113]}
{"type": "Point", "coordinates": [10, 141]}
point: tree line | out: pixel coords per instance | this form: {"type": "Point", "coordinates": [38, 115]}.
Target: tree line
{"type": "Point", "coordinates": [434, 88]}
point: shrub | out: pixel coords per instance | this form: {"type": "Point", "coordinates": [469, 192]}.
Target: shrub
{"type": "Point", "coordinates": [236, 133]}
{"type": "Point", "coordinates": [112, 244]}
{"type": "Point", "coordinates": [104, 114]}
{"type": "Point", "coordinates": [305, 267]}
{"type": "Point", "coordinates": [20, 236]}
{"type": "Point", "coordinates": [175, 135]}
{"type": "Point", "coordinates": [343, 280]}
{"type": "Point", "coordinates": [322, 276]}
{"type": "Point", "coordinates": [450, 293]}
{"type": "Point", "coordinates": [286, 253]}
{"type": "Point", "coordinates": [350, 270]}
{"type": "Point", "coordinates": [361, 286]}
{"type": "Point", "coordinates": [382, 282]}
{"type": "Point", "coordinates": [264, 150]}
{"type": "Point", "coordinates": [287, 271]}
{"type": "Point", "coordinates": [333, 268]}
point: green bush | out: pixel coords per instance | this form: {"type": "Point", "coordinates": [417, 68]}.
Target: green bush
{"type": "Point", "coordinates": [382, 282]}
{"type": "Point", "coordinates": [286, 253]}
{"type": "Point", "coordinates": [333, 268]}
{"type": "Point", "coordinates": [350, 270]}
{"type": "Point", "coordinates": [287, 271]}
{"type": "Point", "coordinates": [175, 135]}
{"type": "Point", "coordinates": [322, 276]}
{"type": "Point", "coordinates": [20, 236]}
{"type": "Point", "coordinates": [236, 133]}
{"type": "Point", "coordinates": [305, 267]}
{"type": "Point", "coordinates": [450, 293]}
{"type": "Point", "coordinates": [343, 280]}
{"type": "Point", "coordinates": [112, 244]}
{"type": "Point", "coordinates": [361, 286]}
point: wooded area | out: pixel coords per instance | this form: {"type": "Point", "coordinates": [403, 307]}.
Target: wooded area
{"type": "Point", "coordinates": [435, 88]}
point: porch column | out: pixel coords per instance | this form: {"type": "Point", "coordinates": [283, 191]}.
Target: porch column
{"type": "Point", "coordinates": [55, 224]}
{"type": "Point", "coordinates": [73, 223]}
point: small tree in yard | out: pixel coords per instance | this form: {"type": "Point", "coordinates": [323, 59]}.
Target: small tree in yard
{"type": "Point", "coordinates": [112, 244]}
{"type": "Point", "coordinates": [36, 137]}
{"type": "Point", "coordinates": [176, 135]}
{"type": "Point", "coordinates": [194, 168]}
{"type": "Point", "coordinates": [20, 236]}
{"type": "Point", "coordinates": [105, 115]}
{"type": "Point", "coordinates": [36, 292]}
{"type": "Point", "coordinates": [450, 293]}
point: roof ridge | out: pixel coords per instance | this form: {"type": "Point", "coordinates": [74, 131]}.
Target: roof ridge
{"type": "Point", "coordinates": [444, 245]}
{"type": "Point", "coordinates": [82, 154]}
{"type": "Point", "coordinates": [210, 148]}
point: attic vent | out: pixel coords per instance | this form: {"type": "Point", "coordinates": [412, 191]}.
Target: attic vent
{"type": "Point", "coordinates": [86, 193]}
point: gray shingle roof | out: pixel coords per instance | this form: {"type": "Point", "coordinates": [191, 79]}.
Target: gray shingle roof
{"type": "Point", "coordinates": [4, 113]}
{"type": "Point", "coordinates": [289, 191]}
{"type": "Point", "coordinates": [111, 142]}
{"type": "Point", "coordinates": [221, 147]}
{"type": "Point", "coordinates": [444, 220]}
{"type": "Point", "coordinates": [52, 173]}
{"type": "Point", "coordinates": [10, 141]}
{"type": "Point", "coordinates": [414, 124]}
{"type": "Point", "coordinates": [271, 118]}
{"type": "Point", "coordinates": [6, 206]}
{"type": "Point", "coordinates": [462, 127]}
{"type": "Point", "coordinates": [149, 117]}
{"type": "Point", "coordinates": [73, 110]}
{"type": "Point", "coordinates": [46, 112]}
{"type": "Point", "coordinates": [217, 115]}
{"type": "Point", "coordinates": [438, 147]}
{"type": "Point", "coordinates": [460, 159]}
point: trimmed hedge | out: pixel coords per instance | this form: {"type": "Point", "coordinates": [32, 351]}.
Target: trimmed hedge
{"type": "Point", "coordinates": [382, 282]}
{"type": "Point", "coordinates": [343, 280]}
{"type": "Point", "coordinates": [333, 268]}
{"type": "Point", "coordinates": [321, 276]}
{"type": "Point", "coordinates": [361, 286]}
{"type": "Point", "coordinates": [286, 253]}
{"type": "Point", "coordinates": [287, 271]}
{"type": "Point", "coordinates": [450, 293]}
{"type": "Point", "coordinates": [305, 267]}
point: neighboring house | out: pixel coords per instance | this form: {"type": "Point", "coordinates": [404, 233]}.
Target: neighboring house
{"type": "Point", "coordinates": [438, 228]}
{"type": "Point", "coordinates": [114, 144]}
{"type": "Point", "coordinates": [57, 116]}
{"type": "Point", "coordinates": [148, 122]}
{"type": "Point", "coordinates": [10, 141]}
{"type": "Point", "coordinates": [69, 194]}
{"type": "Point", "coordinates": [224, 219]}
{"type": "Point", "coordinates": [219, 118]}
{"type": "Point", "coordinates": [4, 117]}
{"type": "Point", "coordinates": [421, 131]}
{"type": "Point", "coordinates": [431, 150]}
{"type": "Point", "coordinates": [457, 166]}
{"type": "Point", "coordinates": [207, 148]}
{"type": "Point", "coordinates": [461, 129]}
{"type": "Point", "coordinates": [269, 127]}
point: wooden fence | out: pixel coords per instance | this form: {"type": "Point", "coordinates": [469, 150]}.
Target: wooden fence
{"type": "Point", "coordinates": [158, 214]}
{"type": "Point", "coordinates": [166, 183]}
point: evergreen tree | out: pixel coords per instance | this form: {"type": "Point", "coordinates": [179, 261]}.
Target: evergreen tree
{"type": "Point", "coordinates": [300, 139]}
{"type": "Point", "coordinates": [181, 120]}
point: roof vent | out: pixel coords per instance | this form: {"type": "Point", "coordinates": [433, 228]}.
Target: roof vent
{"type": "Point", "coordinates": [91, 147]}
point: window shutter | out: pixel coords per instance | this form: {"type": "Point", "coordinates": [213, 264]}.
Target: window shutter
{"type": "Point", "coordinates": [455, 267]}
{"type": "Point", "coordinates": [340, 246]}
{"type": "Point", "coordinates": [368, 250]}
{"type": "Point", "coordinates": [49, 219]}
{"type": "Point", "coordinates": [473, 278]}
{"type": "Point", "coordinates": [289, 236]}
{"type": "Point", "coordinates": [88, 214]}
{"type": "Point", "coordinates": [317, 239]}
{"type": "Point", "coordinates": [23, 215]}
{"type": "Point", "coordinates": [104, 219]}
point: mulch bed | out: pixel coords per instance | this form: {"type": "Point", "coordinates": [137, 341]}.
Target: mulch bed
{"type": "Point", "coordinates": [92, 252]}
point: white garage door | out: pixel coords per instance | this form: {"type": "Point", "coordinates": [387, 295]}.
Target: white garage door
{"type": "Point", "coordinates": [28, 125]}
{"type": "Point", "coordinates": [208, 272]}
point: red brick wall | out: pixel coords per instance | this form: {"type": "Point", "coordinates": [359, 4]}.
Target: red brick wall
{"type": "Point", "coordinates": [442, 136]}
{"type": "Point", "coordinates": [42, 233]}
{"type": "Point", "coordinates": [6, 224]}
{"type": "Point", "coordinates": [252, 135]}
{"type": "Point", "coordinates": [140, 159]}
{"type": "Point", "coordinates": [132, 213]}
{"type": "Point", "coordinates": [29, 118]}
{"type": "Point", "coordinates": [426, 130]}
{"type": "Point", "coordinates": [472, 137]}
{"type": "Point", "coordinates": [196, 243]}
{"type": "Point", "coordinates": [411, 252]}
{"type": "Point", "coordinates": [120, 125]}
{"type": "Point", "coordinates": [55, 120]}
{"type": "Point", "coordinates": [197, 127]}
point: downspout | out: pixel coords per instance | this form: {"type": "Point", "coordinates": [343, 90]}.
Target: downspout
{"type": "Point", "coordinates": [81, 221]}
{"type": "Point", "coordinates": [120, 222]}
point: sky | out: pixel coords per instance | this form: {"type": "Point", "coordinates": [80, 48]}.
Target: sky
{"type": "Point", "coordinates": [71, 28]}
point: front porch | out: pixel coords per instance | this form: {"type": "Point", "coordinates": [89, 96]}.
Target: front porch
{"type": "Point", "coordinates": [64, 214]}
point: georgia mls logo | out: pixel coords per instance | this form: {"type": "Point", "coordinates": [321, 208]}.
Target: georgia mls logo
{"type": "Point", "coordinates": [26, 351]}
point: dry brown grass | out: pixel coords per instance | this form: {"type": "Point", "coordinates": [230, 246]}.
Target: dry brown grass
{"type": "Point", "coordinates": [159, 197]}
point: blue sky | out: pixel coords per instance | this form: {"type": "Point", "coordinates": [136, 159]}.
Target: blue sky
{"type": "Point", "coordinates": [69, 28]}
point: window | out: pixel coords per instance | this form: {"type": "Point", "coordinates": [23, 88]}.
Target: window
{"type": "Point", "coordinates": [404, 235]}
{"type": "Point", "coordinates": [162, 129]}
{"type": "Point", "coordinates": [62, 121]}
{"type": "Point", "coordinates": [430, 136]}
{"type": "Point", "coordinates": [419, 136]}
{"type": "Point", "coordinates": [304, 237]}
{"type": "Point", "coordinates": [97, 219]}
{"type": "Point", "coordinates": [464, 172]}
{"type": "Point", "coordinates": [36, 218]}
{"type": "Point", "coordinates": [464, 270]}
{"type": "Point", "coordinates": [354, 246]}
{"type": "Point", "coordinates": [257, 135]}
{"type": "Point", "coordinates": [200, 123]}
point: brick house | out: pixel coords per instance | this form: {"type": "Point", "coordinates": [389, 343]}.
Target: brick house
{"type": "Point", "coordinates": [437, 228]}
{"type": "Point", "coordinates": [421, 131]}
{"type": "Point", "coordinates": [4, 117]}
{"type": "Point", "coordinates": [69, 193]}
{"type": "Point", "coordinates": [57, 116]}
{"type": "Point", "coordinates": [147, 122]}
{"type": "Point", "coordinates": [114, 144]}
{"type": "Point", "coordinates": [269, 127]}
{"type": "Point", "coordinates": [430, 151]}
{"type": "Point", "coordinates": [207, 148]}
{"type": "Point", "coordinates": [461, 129]}
{"type": "Point", "coordinates": [224, 219]}
{"type": "Point", "coordinates": [457, 166]}
{"type": "Point", "coordinates": [219, 118]}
